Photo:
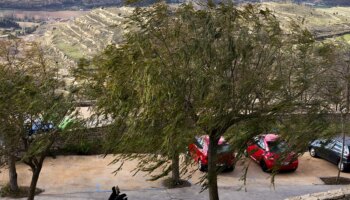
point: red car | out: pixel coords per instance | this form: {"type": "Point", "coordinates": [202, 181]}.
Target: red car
{"type": "Point", "coordinates": [199, 152]}
{"type": "Point", "coordinates": [272, 153]}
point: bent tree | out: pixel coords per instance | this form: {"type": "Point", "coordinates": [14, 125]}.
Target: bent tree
{"type": "Point", "coordinates": [29, 93]}
{"type": "Point", "coordinates": [183, 70]}
{"type": "Point", "coordinates": [144, 109]}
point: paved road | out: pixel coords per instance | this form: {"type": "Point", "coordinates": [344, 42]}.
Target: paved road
{"type": "Point", "coordinates": [191, 193]}
{"type": "Point", "coordinates": [89, 177]}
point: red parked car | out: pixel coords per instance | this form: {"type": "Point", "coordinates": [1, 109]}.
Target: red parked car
{"type": "Point", "coordinates": [199, 152]}
{"type": "Point", "coordinates": [272, 153]}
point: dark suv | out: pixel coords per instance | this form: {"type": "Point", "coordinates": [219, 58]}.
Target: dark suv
{"type": "Point", "coordinates": [331, 150]}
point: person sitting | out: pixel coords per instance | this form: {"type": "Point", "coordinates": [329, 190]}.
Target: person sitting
{"type": "Point", "coordinates": [116, 194]}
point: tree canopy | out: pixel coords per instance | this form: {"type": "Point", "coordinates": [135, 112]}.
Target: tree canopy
{"type": "Point", "coordinates": [31, 107]}
{"type": "Point", "coordinates": [184, 71]}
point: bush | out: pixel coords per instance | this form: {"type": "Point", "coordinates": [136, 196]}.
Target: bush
{"type": "Point", "coordinates": [83, 147]}
{"type": "Point", "coordinates": [8, 23]}
{"type": "Point", "coordinates": [21, 193]}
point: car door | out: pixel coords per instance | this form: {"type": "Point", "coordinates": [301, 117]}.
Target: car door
{"type": "Point", "coordinates": [325, 150]}
{"type": "Point", "coordinates": [195, 148]}
{"type": "Point", "coordinates": [200, 148]}
{"type": "Point", "coordinates": [257, 149]}
{"type": "Point", "coordinates": [334, 153]}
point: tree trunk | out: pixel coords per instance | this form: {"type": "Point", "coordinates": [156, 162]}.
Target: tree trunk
{"type": "Point", "coordinates": [33, 183]}
{"type": "Point", "coordinates": [12, 173]}
{"type": "Point", "coordinates": [343, 145]}
{"type": "Point", "coordinates": [212, 169]}
{"type": "Point", "coordinates": [175, 168]}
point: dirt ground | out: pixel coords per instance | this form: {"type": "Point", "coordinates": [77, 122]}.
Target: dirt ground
{"type": "Point", "coordinates": [69, 174]}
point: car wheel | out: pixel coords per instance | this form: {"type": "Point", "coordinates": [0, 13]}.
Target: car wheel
{"type": "Point", "coordinates": [293, 170]}
{"type": "Point", "coordinates": [264, 166]}
{"type": "Point", "coordinates": [230, 168]}
{"type": "Point", "coordinates": [312, 152]}
{"type": "Point", "coordinates": [341, 166]}
{"type": "Point", "coordinates": [201, 167]}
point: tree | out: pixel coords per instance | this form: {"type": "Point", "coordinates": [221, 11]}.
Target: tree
{"type": "Point", "coordinates": [337, 93]}
{"type": "Point", "coordinates": [31, 107]}
{"type": "Point", "coordinates": [165, 131]}
{"type": "Point", "coordinates": [211, 69]}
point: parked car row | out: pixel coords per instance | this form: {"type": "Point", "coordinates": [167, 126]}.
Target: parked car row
{"type": "Point", "coordinates": [38, 126]}
{"type": "Point", "coordinates": [271, 152]}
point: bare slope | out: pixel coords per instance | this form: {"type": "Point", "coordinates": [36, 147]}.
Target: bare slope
{"type": "Point", "coordinates": [320, 21]}
{"type": "Point", "coordinates": [89, 34]}
{"type": "Point", "coordinates": [55, 4]}
{"type": "Point", "coordinates": [63, 4]}
{"type": "Point", "coordinates": [83, 37]}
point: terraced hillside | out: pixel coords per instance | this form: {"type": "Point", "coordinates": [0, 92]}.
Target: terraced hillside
{"type": "Point", "coordinates": [87, 35]}
{"type": "Point", "coordinates": [84, 36]}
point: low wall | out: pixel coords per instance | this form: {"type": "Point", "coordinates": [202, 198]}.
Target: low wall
{"type": "Point", "coordinates": [339, 194]}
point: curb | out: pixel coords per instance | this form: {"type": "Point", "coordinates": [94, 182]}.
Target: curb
{"type": "Point", "coordinates": [338, 194]}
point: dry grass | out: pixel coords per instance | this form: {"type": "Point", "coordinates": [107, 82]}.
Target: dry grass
{"type": "Point", "coordinates": [313, 18]}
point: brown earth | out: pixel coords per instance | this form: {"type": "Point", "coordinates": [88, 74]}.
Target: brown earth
{"type": "Point", "coordinates": [67, 174]}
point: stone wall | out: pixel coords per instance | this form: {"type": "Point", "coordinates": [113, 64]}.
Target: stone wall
{"type": "Point", "coordinates": [339, 194]}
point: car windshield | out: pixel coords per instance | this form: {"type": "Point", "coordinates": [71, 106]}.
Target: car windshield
{"type": "Point", "coordinates": [224, 148]}
{"type": "Point", "coordinates": [277, 146]}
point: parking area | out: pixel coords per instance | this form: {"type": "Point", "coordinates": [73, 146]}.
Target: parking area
{"type": "Point", "coordinates": [91, 176]}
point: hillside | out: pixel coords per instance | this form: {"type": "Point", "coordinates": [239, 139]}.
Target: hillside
{"type": "Point", "coordinates": [55, 4]}
{"type": "Point", "coordinates": [90, 33]}
{"type": "Point", "coordinates": [67, 4]}
{"type": "Point", "coordinates": [84, 36]}
{"type": "Point", "coordinates": [87, 35]}
{"type": "Point", "coordinates": [79, 4]}
{"type": "Point", "coordinates": [320, 21]}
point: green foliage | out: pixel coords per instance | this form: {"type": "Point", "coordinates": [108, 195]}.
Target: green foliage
{"type": "Point", "coordinates": [216, 71]}
{"type": "Point", "coordinates": [29, 92]}
{"type": "Point", "coordinates": [83, 148]}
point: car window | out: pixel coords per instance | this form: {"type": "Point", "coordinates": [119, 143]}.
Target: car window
{"type": "Point", "coordinates": [338, 147]}
{"type": "Point", "coordinates": [261, 143]}
{"type": "Point", "coordinates": [256, 139]}
{"type": "Point", "coordinates": [277, 146]}
{"type": "Point", "coordinates": [224, 148]}
{"type": "Point", "coordinates": [198, 142]}
{"type": "Point", "coordinates": [329, 144]}
{"type": "Point", "coordinates": [201, 142]}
